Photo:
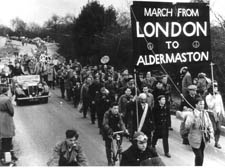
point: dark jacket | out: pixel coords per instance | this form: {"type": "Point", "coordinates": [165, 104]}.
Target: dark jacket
{"type": "Point", "coordinates": [133, 157]}
{"type": "Point", "coordinates": [103, 102]}
{"type": "Point", "coordinates": [191, 100]}
{"type": "Point", "coordinates": [94, 89]}
{"type": "Point", "coordinates": [162, 120]}
{"type": "Point", "coordinates": [112, 123]}
{"type": "Point", "coordinates": [148, 125]}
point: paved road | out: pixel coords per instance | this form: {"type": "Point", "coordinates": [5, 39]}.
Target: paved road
{"type": "Point", "coordinates": [40, 126]}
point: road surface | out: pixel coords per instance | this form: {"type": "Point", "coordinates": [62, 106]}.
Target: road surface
{"type": "Point", "coordinates": [41, 126]}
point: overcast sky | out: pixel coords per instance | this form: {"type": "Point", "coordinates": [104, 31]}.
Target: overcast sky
{"type": "Point", "coordinates": [39, 11]}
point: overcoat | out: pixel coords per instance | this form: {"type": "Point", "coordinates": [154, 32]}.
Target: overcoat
{"type": "Point", "coordinates": [7, 127]}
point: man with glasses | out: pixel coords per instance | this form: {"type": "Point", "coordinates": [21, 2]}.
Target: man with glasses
{"type": "Point", "coordinates": [68, 152]}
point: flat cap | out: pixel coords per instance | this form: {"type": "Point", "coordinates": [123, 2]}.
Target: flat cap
{"type": "Point", "coordinates": [192, 87]}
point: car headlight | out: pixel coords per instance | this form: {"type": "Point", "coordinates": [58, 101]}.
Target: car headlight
{"type": "Point", "coordinates": [25, 87]}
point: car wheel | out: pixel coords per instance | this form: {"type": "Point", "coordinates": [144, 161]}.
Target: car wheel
{"type": "Point", "coordinates": [18, 102]}
{"type": "Point", "coordinates": [45, 100]}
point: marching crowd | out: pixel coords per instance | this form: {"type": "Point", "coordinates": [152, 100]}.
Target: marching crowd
{"type": "Point", "coordinates": [141, 107]}
{"type": "Point", "coordinates": [144, 106]}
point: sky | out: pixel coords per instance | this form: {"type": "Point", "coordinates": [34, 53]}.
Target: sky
{"type": "Point", "coordinates": [39, 11]}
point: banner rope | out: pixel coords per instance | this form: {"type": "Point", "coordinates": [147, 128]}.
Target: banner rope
{"type": "Point", "coordinates": [164, 70]}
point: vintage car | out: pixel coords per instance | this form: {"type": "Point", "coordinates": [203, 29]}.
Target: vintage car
{"type": "Point", "coordinates": [29, 88]}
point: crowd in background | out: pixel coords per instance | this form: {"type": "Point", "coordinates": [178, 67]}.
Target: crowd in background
{"type": "Point", "coordinates": [93, 88]}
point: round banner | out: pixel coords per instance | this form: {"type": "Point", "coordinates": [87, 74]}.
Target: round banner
{"type": "Point", "coordinates": [105, 59]}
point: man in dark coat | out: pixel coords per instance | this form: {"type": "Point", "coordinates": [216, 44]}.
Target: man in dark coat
{"type": "Point", "coordinates": [138, 154]}
{"type": "Point", "coordinates": [159, 90]}
{"type": "Point", "coordinates": [162, 124]}
{"type": "Point", "coordinates": [85, 96]}
{"type": "Point", "coordinates": [94, 89]}
{"type": "Point", "coordinates": [103, 102]}
{"type": "Point", "coordinates": [148, 124]}
{"type": "Point", "coordinates": [112, 122]}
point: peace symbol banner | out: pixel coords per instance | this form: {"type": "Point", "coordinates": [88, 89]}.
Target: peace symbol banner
{"type": "Point", "coordinates": [167, 33]}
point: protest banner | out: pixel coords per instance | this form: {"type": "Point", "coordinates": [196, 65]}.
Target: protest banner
{"type": "Point", "coordinates": [166, 33]}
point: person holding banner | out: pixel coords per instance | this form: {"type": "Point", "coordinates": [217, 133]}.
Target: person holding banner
{"type": "Point", "coordinates": [186, 108]}
{"type": "Point", "coordinates": [216, 111]}
{"type": "Point", "coordinates": [143, 117]}
{"type": "Point", "coordinates": [201, 130]}
{"type": "Point", "coordinates": [162, 123]}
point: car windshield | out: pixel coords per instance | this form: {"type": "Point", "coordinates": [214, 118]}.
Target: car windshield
{"type": "Point", "coordinates": [28, 79]}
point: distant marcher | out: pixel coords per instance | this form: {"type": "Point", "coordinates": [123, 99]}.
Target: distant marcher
{"type": "Point", "coordinates": [94, 89]}
{"type": "Point", "coordinates": [85, 96]}
{"type": "Point", "coordinates": [186, 80]}
{"type": "Point", "coordinates": [103, 103]}
{"type": "Point", "coordinates": [202, 84]}
{"type": "Point", "coordinates": [17, 71]}
{"type": "Point", "coordinates": [61, 73]}
{"type": "Point", "coordinates": [149, 81]}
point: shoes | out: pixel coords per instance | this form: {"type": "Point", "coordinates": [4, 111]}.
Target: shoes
{"type": "Point", "coordinates": [168, 155]}
{"type": "Point", "coordinates": [218, 146]}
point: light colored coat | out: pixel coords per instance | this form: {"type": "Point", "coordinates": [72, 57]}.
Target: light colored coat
{"type": "Point", "coordinates": [215, 105]}
{"type": "Point", "coordinates": [7, 127]}
{"type": "Point", "coordinates": [194, 123]}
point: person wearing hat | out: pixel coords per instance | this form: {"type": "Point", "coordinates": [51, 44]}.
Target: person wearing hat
{"type": "Point", "coordinates": [93, 90]}
{"type": "Point", "coordinates": [139, 154]}
{"type": "Point", "coordinates": [103, 102]}
{"type": "Point", "coordinates": [187, 105]}
{"type": "Point", "coordinates": [162, 123]}
{"type": "Point", "coordinates": [68, 152]}
{"type": "Point", "coordinates": [149, 81]}
{"type": "Point", "coordinates": [216, 111]}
